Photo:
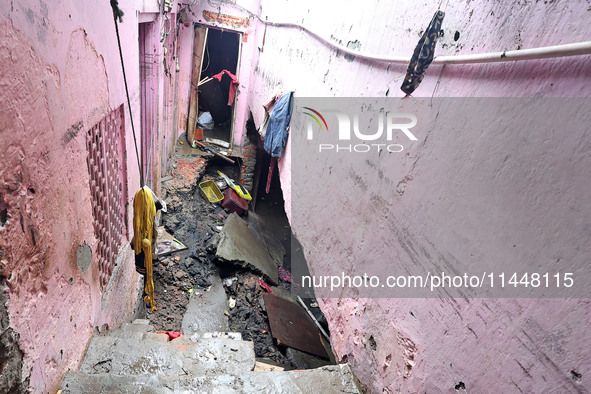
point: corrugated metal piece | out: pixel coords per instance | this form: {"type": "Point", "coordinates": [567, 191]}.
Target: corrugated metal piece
{"type": "Point", "coordinates": [292, 326]}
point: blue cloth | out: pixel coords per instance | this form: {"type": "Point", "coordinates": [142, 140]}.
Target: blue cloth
{"type": "Point", "coordinates": [278, 127]}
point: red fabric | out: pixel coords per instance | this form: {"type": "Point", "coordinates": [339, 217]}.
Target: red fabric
{"type": "Point", "coordinates": [265, 286]}
{"type": "Point", "coordinates": [171, 334]}
{"type": "Point", "coordinates": [270, 175]}
{"type": "Point", "coordinates": [233, 85]}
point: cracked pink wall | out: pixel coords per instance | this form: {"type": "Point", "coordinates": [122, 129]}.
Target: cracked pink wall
{"type": "Point", "coordinates": [500, 345]}
{"type": "Point", "coordinates": [60, 69]}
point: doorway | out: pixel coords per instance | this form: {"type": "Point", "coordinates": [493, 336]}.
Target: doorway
{"type": "Point", "coordinates": [214, 100]}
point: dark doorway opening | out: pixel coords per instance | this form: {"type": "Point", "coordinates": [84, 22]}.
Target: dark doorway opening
{"type": "Point", "coordinates": [221, 52]}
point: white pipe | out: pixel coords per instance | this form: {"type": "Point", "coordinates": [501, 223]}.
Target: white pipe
{"type": "Point", "coordinates": [313, 318]}
{"type": "Point", "coordinates": [580, 48]}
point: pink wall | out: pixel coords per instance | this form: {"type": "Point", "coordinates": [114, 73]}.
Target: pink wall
{"type": "Point", "coordinates": [60, 68]}
{"type": "Point", "coordinates": [505, 345]}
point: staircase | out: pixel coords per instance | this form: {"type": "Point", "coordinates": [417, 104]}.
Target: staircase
{"type": "Point", "coordinates": [134, 360]}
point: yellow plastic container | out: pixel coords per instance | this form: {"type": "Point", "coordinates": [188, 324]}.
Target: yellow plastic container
{"type": "Point", "coordinates": [210, 191]}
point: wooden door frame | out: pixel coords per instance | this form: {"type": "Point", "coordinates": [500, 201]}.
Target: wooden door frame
{"type": "Point", "coordinates": [198, 53]}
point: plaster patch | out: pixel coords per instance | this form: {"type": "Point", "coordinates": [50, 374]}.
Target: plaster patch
{"type": "Point", "coordinates": [84, 257]}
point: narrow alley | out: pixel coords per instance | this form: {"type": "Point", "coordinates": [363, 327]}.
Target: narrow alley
{"type": "Point", "coordinates": [278, 196]}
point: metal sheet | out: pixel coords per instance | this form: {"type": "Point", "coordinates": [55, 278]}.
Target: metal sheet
{"type": "Point", "coordinates": [167, 244]}
{"type": "Point", "coordinates": [292, 326]}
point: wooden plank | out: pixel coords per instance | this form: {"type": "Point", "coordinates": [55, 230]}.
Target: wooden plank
{"type": "Point", "coordinates": [292, 326]}
{"type": "Point", "coordinates": [198, 48]}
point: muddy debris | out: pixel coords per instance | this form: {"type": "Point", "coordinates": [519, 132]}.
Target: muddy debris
{"type": "Point", "coordinates": [189, 219]}
{"type": "Point", "coordinates": [189, 273]}
{"type": "Point", "coordinates": [249, 316]}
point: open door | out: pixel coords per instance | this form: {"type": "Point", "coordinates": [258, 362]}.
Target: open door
{"type": "Point", "coordinates": [215, 51]}
{"type": "Point", "coordinates": [198, 49]}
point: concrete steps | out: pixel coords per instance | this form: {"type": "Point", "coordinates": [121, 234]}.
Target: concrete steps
{"type": "Point", "coordinates": [330, 379]}
{"type": "Point", "coordinates": [134, 360]}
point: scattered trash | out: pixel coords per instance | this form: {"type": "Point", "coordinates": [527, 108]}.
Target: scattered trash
{"type": "Point", "coordinates": [217, 142]}
{"type": "Point", "coordinates": [264, 367]}
{"type": "Point", "coordinates": [177, 259]}
{"type": "Point", "coordinates": [167, 244]}
{"type": "Point", "coordinates": [171, 334]}
{"type": "Point", "coordinates": [264, 331]}
{"type": "Point", "coordinates": [231, 303]}
{"type": "Point", "coordinates": [198, 136]}
{"type": "Point", "coordinates": [265, 286]}
{"type": "Point", "coordinates": [238, 188]}
{"type": "Point", "coordinates": [210, 191]}
{"type": "Point", "coordinates": [229, 335]}
{"type": "Point", "coordinates": [313, 305]}
{"type": "Point", "coordinates": [206, 121]}
{"type": "Point", "coordinates": [229, 281]}
{"type": "Point", "coordinates": [213, 151]}
{"type": "Point", "coordinates": [285, 276]}
{"type": "Point", "coordinates": [227, 313]}
{"type": "Point", "coordinates": [234, 203]}
{"type": "Point", "coordinates": [221, 184]}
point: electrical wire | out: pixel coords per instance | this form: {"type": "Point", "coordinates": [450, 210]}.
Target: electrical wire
{"type": "Point", "coordinates": [118, 15]}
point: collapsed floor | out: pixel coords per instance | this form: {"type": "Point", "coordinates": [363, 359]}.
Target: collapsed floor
{"type": "Point", "coordinates": [201, 290]}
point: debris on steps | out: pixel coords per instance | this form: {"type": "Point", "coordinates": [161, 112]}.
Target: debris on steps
{"type": "Point", "coordinates": [205, 311]}
{"type": "Point", "coordinates": [191, 297]}
{"type": "Point", "coordinates": [188, 273]}
{"type": "Point", "coordinates": [249, 316]}
{"type": "Point", "coordinates": [146, 353]}
{"type": "Point", "coordinates": [327, 380]}
{"type": "Point", "coordinates": [133, 360]}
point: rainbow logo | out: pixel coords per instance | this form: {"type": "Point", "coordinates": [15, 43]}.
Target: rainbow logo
{"type": "Point", "coordinates": [316, 118]}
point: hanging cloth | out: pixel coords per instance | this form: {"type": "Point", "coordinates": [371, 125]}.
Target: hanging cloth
{"type": "Point", "coordinates": [278, 127]}
{"type": "Point", "coordinates": [144, 210]}
{"type": "Point", "coordinates": [233, 85]}
{"type": "Point", "coordinates": [270, 174]}
{"type": "Point", "coordinates": [423, 54]}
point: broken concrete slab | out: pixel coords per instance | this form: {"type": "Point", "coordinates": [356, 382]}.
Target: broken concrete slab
{"type": "Point", "coordinates": [205, 311]}
{"type": "Point", "coordinates": [331, 380]}
{"type": "Point", "coordinates": [266, 235]}
{"type": "Point", "coordinates": [239, 246]}
{"type": "Point", "coordinates": [136, 327]}
{"type": "Point", "coordinates": [146, 356]}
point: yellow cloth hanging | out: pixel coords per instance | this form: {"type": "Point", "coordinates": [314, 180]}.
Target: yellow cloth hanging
{"type": "Point", "coordinates": [144, 211]}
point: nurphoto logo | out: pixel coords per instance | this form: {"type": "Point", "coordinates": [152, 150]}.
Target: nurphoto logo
{"type": "Point", "coordinates": [351, 129]}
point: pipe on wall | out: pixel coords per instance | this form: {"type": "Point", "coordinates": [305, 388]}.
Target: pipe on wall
{"type": "Point", "coordinates": [575, 49]}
